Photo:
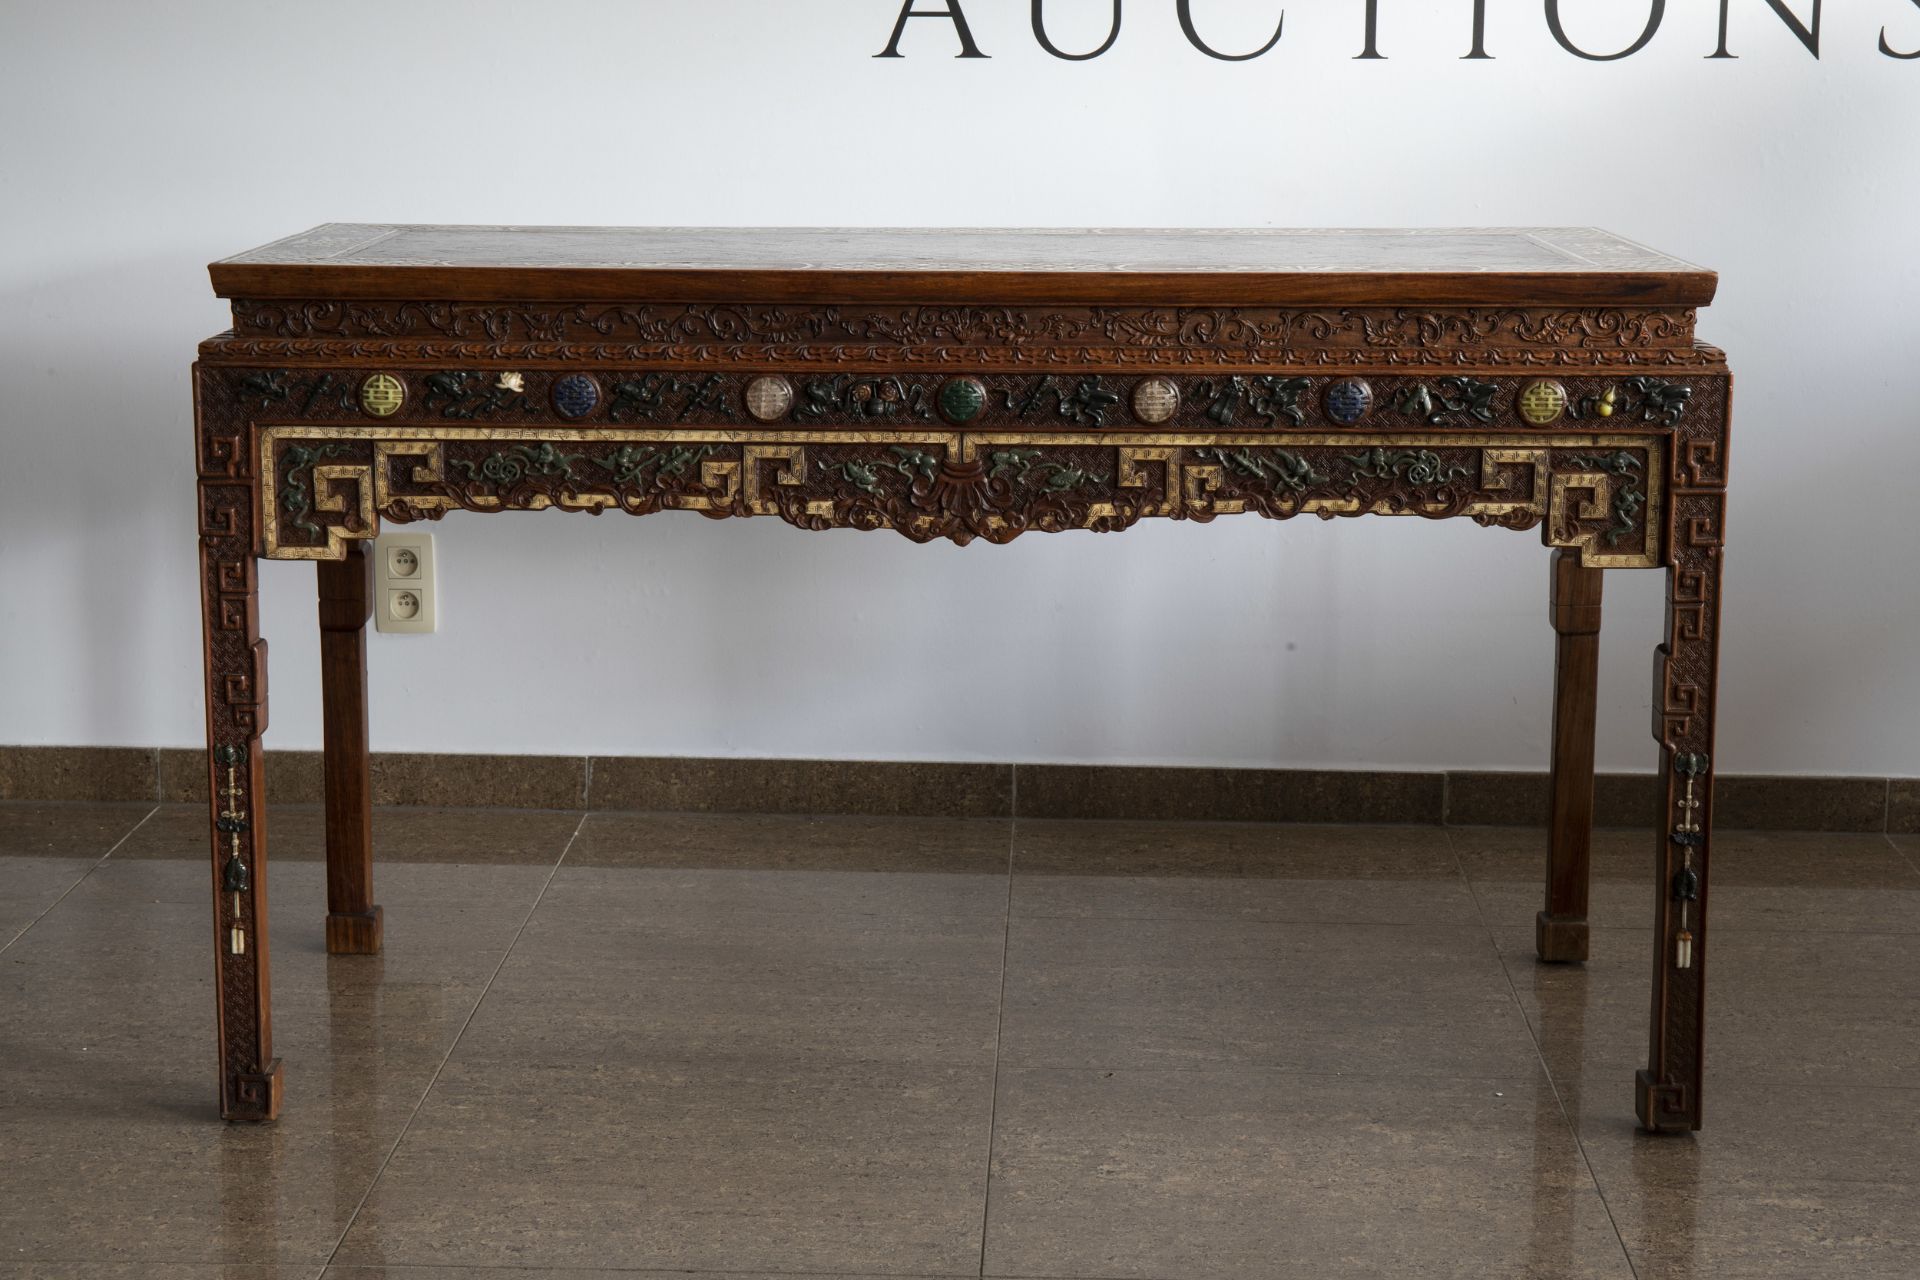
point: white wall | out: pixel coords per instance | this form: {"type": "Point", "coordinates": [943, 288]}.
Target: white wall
{"type": "Point", "coordinates": [142, 140]}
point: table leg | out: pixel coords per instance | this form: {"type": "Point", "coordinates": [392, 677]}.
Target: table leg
{"type": "Point", "coordinates": [1560, 931]}
{"type": "Point", "coordinates": [236, 671]}
{"type": "Point", "coordinates": [353, 921]}
{"type": "Point", "coordinates": [1667, 1093]}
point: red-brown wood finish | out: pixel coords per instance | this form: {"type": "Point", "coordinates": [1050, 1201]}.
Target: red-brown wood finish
{"type": "Point", "coordinates": [236, 668]}
{"type": "Point", "coordinates": [353, 921]}
{"type": "Point", "coordinates": [1230, 266]}
{"type": "Point", "coordinates": [1560, 931]}
{"type": "Point", "coordinates": [966, 385]}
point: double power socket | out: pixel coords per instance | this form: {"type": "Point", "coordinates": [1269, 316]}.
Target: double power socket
{"type": "Point", "coordinates": [404, 599]}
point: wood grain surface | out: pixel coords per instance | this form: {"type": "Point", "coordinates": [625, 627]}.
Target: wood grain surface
{"type": "Point", "coordinates": [1240, 266]}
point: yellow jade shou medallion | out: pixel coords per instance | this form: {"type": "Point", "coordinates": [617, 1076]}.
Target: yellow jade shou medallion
{"type": "Point", "coordinates": [1543, 402]}
{"type": "Point", "coordinates": [382, 394]}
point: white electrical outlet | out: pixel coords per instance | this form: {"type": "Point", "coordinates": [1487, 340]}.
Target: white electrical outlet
{"type": "Point", "coordinates": [404, 599]}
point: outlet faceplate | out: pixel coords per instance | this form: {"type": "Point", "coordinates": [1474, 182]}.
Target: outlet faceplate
{"type": "Point", "coordinates": [404, 598]}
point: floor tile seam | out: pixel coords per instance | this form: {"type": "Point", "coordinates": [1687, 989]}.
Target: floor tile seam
{"type": "Point", "coordinates": [1321, 921]}
{"type": "Point", "coordinates": [1749, 930]}
{"type": "Point", "coordinates": [999, 1033]}
{"type": "Point", "coordinates": [82, 878]}
{"type": "Point", "coordinates": [137, 1258]}
{"type": "Point", "coordinates": [1723, 889]}
{"type": "Point", "coordinates": [382, 861]}
{"type": "Point", "coordinates": [1514, 1080]}
{"type": "Point", "coordinates": [1460, 869]}
{"type": "Point", "coordinates": [1334, 875]}
{"type": "Point", "coordinates": [840, 870]}
{"type": "Point", "coordinates": [1912, 861]}
{"type": "Point", "coordinates": [1546, 1072]}
{"type": "Point", "coordinates": [434, 1079]}
{"type": "Point", "coordinates": [738, 912]}
{"type": "Point", "coordinates": [767, 1059]}
{"type": "Point", "coordinates": [1770, 1191]}
{"type": "Point", "coordinates": [872, 817]}
{"type": "Point", "coordinates": [379, 807]}
{"type": "Point", "coordinates": [1750, 1084]}
{"type": "Point", "coordinates": [483, 1269]}
{"type": "Point", "coordinates": [1054, 1275]}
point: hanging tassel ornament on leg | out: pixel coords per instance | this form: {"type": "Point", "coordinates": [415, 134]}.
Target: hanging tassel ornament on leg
{"type": "Point", "coordinates": [1686, 891]}
{"type": "Point", "coordinates": [234, 877]}
{"type": "Point", "coordinates": [1686, 834]}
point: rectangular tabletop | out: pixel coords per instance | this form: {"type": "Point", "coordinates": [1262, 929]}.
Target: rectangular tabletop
{"type": "Point", "coordinates": [1228, 267]}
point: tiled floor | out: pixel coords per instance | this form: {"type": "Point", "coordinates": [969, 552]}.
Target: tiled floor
{"type": "Point", "coordinates": [642, 1045]}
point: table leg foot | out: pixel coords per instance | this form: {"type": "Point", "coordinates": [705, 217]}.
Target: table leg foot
{"type": "Point", "coordinates": [1664, 1108]}
{"type": "Point", "coordinates": [355, 933]}
{"type": "Point", "coordinates": [254, 1097]}
{"type": "Point", "coordinates": [1559, 941]}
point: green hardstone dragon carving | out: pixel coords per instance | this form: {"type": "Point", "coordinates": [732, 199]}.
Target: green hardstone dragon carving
{"type": "Point", "coordinates": [295, 498]}
{"type": "Point", "coordinates": [628, 465]}
{"type": "Point", "coordinates": [912, 460]}
{"type": "Point", "coordinates": [864, 399]}
{"type": "Point", "coordinates": [652, 396]}
{"type": "Point", "coordinates": [321, 391]}
{"type": "Point", "coordinates": [1627, 497]}
{"type": "Point", "coordinates": [264, 385]}
{"type": "Point", "coordinates": [1285, 470]}
{"type": "Point", "coordinates": [1025, 467]}
{"type": "Point", "coordinates": [510, 466]}
{"type": "Point", "coordinates": [864, 473]}
{"type": "Point", "coordinates": [1659, 401]}
{"type": "Point", "coordinates": [1265, 397]}
{"type": "Point", "coordinates": [1085, 404]}
{"type": "Point", "coordinates": [1415, 466]}
{"type": "Point", "coordinates": [1648, 399]}
{"type": "Point", "coordinates": [1453, 395]}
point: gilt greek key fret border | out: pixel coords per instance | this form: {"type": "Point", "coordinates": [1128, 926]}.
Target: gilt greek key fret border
{"type": "Point", "coordinates": [1612, 513]}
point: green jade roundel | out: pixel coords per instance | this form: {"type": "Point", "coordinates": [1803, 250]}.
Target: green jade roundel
{"type": "Point", "coordinates": [962, 399]}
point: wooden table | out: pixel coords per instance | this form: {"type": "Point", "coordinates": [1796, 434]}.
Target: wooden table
{"type": "Point", "coordinates": [962, 385]}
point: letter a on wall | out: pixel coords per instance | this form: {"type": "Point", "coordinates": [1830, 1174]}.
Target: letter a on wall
{"type": "Point", "coordinates": [968, 49]}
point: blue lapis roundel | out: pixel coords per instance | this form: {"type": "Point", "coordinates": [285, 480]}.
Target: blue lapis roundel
{"type": "Point", "coordinates": [575, 395]}
{"type": "Point", "coordinates": [1348, 401]}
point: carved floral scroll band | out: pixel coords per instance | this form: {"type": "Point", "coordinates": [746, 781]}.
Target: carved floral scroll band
{"type": "Point", "coordinates": [831, 333]}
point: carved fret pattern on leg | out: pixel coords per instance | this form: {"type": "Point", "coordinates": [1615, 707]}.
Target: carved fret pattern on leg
{"type": "Point", "coordinates": [236, 691]}
{"type": "Point", "coordinates": [1685, 673]}
{"type": "Point", "coordinates": [1560, 930]}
